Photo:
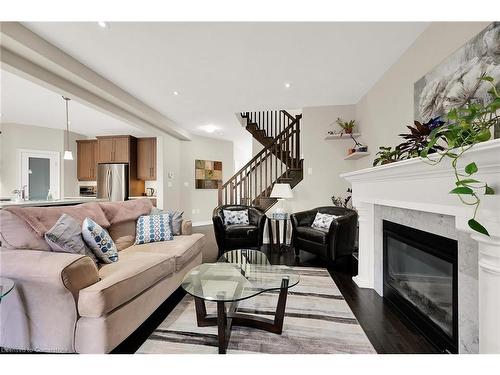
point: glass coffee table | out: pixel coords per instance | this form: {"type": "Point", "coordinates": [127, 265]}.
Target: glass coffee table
{"type": "Point", "coordinates": [6, 285]}
{"type": "Point", "coordinates": [238, 275]}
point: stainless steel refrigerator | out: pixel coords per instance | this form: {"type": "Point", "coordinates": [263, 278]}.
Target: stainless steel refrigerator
{"type": "Point", "coordinates": [112, 181]}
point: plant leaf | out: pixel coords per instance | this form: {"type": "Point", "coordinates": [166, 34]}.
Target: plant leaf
{"type": "Point", "coordinates": [471, 168]}
{"type": "Point", "coordinates": [489, 190]}
{"type": "Point", "coordinates": [462, 190]}
{"type": "Point", "coordinates": [486, 78]}
{"type": "Point", "coordinates": [466, 181]}
{"type": "Point", "coordinates": [473, 224]}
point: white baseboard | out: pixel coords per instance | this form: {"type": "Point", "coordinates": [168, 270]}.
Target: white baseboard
{"type": "Point", "coordinates": [201, 223]}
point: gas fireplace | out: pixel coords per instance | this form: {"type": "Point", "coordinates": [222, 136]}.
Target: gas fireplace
{"type": "Point", "coordinates": [421, 281]}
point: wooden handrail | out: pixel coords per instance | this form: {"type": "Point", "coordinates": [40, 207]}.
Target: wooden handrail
{"type": "Point", "coordinates": [280, 155]}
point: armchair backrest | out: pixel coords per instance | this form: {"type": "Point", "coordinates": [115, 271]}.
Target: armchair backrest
{"type": "Point", "coordinates": [254, 213]}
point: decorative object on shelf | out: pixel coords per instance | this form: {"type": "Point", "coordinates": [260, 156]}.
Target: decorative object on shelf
{"type": "Point", "coordinates": [453, 83]}
{"type": "Point", "coordinates": [416, 141]}
{"type": "Point", "coordinates": [387, 155]}
{"type": "Point", "coordinates": [208, 174]}
{"type": "Point", "coordinates": [346, 126]}
{"type": "Point", "coordinates": [341, 201]}
{"type": "Point", "coordinates": [467, 125]}
{"type": "Point", "coordinates": [418, 138]}
{"type": "Point", "coordinates": [281, 192]}
{"type": "Point", "coordinates": [68, 155]}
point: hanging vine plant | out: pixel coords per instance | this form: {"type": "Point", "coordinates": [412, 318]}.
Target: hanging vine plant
{"type": "Point", "coordinates": [466, 126]}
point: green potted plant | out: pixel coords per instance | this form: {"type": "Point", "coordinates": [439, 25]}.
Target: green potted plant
{"type": "Point", "coordinates": [346, 126]}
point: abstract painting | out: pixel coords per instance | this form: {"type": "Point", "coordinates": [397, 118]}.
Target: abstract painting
{"type": "Point", "coordinates": [455, 82]}
{"type": "Point", "coordinates": [208, 174]}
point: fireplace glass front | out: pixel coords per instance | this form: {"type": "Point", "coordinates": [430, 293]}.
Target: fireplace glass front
{"type": "Point", "coordinates": [420, 280]}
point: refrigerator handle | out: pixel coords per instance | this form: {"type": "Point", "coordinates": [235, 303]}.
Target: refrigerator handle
{"type": "Point", "coordinates": [108, 182]}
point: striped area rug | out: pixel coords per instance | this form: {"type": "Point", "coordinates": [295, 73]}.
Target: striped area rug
{"type": "Point", "coordinates": [317, 320]}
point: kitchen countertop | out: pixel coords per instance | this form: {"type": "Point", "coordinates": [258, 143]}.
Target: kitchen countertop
{"type": "Point", "coordinates": [143, 196]}
{"type": "Point", "coordinates": [55, 202]}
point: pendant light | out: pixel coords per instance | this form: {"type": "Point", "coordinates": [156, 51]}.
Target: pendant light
{"type": "Point", "coordinates": [68, 155]}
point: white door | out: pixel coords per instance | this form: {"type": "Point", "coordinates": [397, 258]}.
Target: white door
{"type": "Point", "coordinates": [38, 172]}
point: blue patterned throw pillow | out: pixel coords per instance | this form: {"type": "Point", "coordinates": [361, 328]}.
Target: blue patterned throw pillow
{"type": "Point", "coordinates": [153, 228]}
{"type": "Point", "coordinates": [99, 241]}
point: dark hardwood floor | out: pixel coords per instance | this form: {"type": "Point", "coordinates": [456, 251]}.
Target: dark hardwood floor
{"type": "Point", "coordinates": [388, 330]}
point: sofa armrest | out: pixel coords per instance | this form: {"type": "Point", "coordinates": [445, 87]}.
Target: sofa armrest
{"type": "Point", "coordinates": [42, 308]}
{"type": "Point", "coordinates": [342, 235]}
{"type": "Point", "coordinates": [186, 227]}
{"type": "Point", "coordinates": [58, 270]}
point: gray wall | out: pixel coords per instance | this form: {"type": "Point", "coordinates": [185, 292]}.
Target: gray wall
{"type": "Point", "coordinates": [386, 110]}
{"type": "Point", "coordinates": [16, 136]}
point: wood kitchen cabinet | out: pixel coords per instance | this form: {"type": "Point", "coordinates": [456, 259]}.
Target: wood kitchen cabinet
{"type": "Point", "coordinates": [146, 159]}
{"type": "Point", "coordinates": [114, 149]}
{"type": "Point", "coordinates": [86, 156]}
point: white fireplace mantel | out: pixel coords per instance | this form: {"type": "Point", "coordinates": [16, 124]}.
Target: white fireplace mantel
{"type": "Point", "coordinates": [416, 185]}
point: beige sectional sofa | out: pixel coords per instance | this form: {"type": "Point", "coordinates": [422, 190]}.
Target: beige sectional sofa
{"type": "Point", "coordinates": [64, 303]}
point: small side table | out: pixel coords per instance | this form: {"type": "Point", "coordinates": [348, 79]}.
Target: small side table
{"type": "Point", "coordinates": [275, 241]}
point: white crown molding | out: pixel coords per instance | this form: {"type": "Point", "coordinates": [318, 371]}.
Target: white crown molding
{"type": "Point", "coordinates": [31, 56]}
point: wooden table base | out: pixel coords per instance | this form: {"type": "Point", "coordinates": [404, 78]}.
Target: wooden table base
{"type": "Point", "coordinates": [226, 318]}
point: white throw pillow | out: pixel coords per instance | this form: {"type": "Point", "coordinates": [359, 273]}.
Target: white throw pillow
{"type": "Point", "coordinates": [239, 217]}
{"type": "Point", "coordinates": [99, 241]}
{"type": "Point", "coordinates": [153, 228]}
{"type": "Point", "coordinates": [323, 221]}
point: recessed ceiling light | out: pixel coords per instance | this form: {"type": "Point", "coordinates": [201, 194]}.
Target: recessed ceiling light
{"type": "Point", "coordinates": [176, 93]}
{"type": "Point", "coordinates": [287, 85]}
{"type": "Point", "coordinates": [209, 128]}
{"type": "Point", "coordinates": [102, 24]}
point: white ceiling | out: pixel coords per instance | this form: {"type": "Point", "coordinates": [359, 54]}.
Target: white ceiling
{"type": "Point", "coordinates": [24, 102]}
{"type": "Point", "coordinates": [220, 69]}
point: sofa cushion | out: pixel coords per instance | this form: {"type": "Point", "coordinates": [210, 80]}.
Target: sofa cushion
{"type": "Point", "coordinates": [123, 234]}
{"type": "Point", "coordinates": [15, 233]}
{"type": "Point", "coordinates": [181, 248]}
{"type": "Point", "coordinates": [41, 219]}
{"type": "Point", "coordinates": [311, 234]}
{"type": "Point", "coordinates": [66, 237]}
{"type": "Point", "coordinates": [99, 241]}
{"type": "Point", "coordinates": [238, 231]}
{"type": "Point", "coordinates": [123, 280]}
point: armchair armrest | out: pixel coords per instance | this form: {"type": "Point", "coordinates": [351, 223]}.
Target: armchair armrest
{"type": "Point", "coordinates": [303, 218]}
{"type": "Point", "coordinates": [186, 227]}
{"type": "Point", "coordinates": [342, 234]}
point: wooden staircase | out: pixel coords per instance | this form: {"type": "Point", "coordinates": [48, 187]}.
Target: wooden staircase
{"type": "Point", "coordinates": [278, 162]}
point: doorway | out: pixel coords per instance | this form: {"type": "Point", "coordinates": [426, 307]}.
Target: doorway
{"type": "Point", "coordinates": [39, 173]}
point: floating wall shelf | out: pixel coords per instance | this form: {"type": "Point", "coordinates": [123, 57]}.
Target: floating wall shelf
{"type": "Point", "coordinates": [330, 137]}
{"type": "Point", "coordinates": [357, 155]}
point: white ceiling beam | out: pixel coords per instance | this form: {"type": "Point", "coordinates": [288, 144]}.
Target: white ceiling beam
{"type": "Point", "coordinates": [27, 54]}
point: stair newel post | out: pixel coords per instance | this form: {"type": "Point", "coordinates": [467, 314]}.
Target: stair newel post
{"type": "Point", "coordinates": [297, 134]}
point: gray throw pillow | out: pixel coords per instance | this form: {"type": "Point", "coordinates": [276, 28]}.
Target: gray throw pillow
{"type": "Point", "coordinates": [175, 219]}
{"type": "Point", "coordinates": [66, 237]}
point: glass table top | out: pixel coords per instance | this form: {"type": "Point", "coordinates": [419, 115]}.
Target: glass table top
{"type": "Point", "coordinates": [6, 285]}
{"type": "Point", "coordinates": [238, 275]}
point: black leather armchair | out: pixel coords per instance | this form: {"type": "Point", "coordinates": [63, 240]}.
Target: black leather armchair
{"type": "Point", "coordinates": [233, 237]}
{"type": "Point", "coordinates": [332, 244]}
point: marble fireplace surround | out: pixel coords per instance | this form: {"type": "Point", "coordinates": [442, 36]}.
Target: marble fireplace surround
{"type": "Point", "coordinates": [414, 185]}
